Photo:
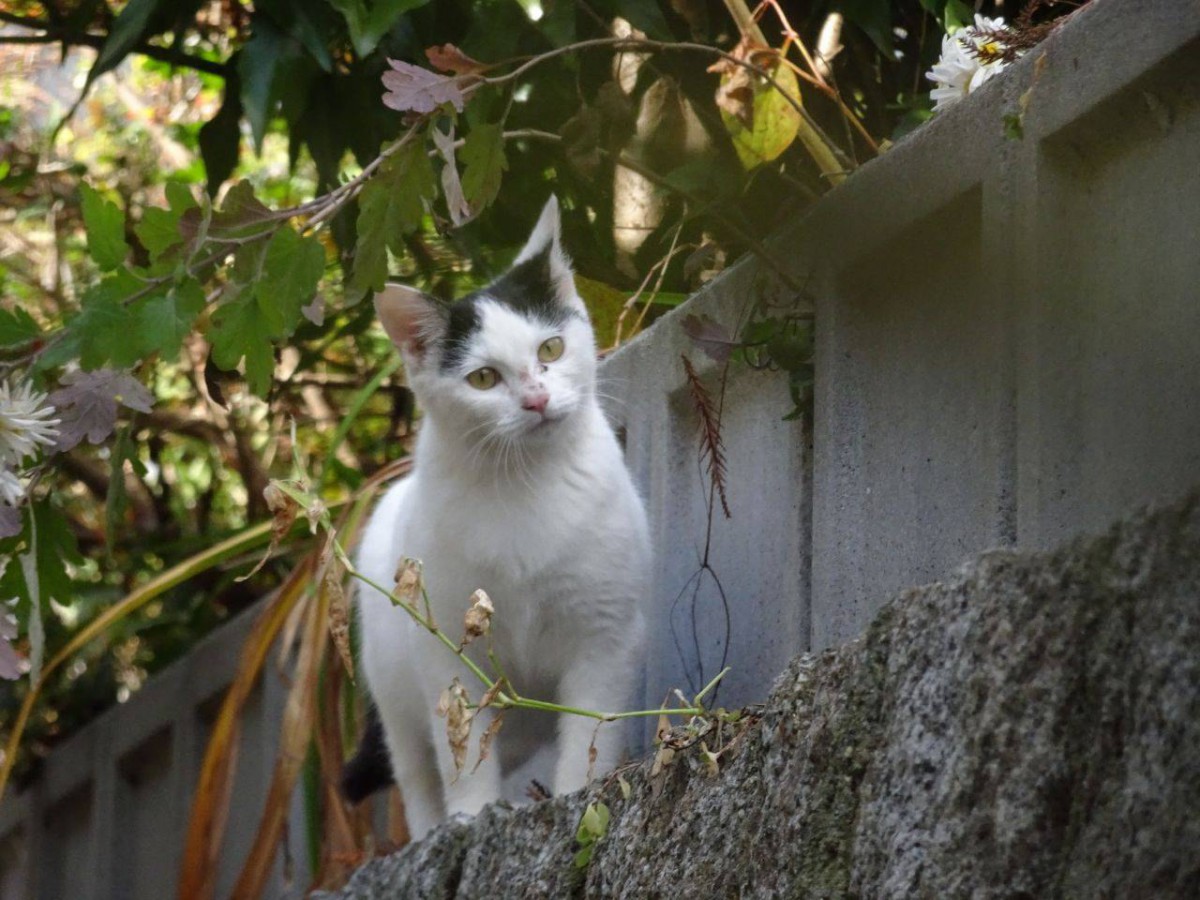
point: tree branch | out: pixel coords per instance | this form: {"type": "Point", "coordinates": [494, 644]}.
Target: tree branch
{"type": "Point", "coordinates": [55, 35]}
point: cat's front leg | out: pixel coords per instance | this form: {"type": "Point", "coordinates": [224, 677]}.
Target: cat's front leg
{"type": "Point", "coordinates": [469, 789]}
{"type": "Point", "coordinates": [600, 686]}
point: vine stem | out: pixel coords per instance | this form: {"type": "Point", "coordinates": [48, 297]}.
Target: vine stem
{"type": "Point", "coordinates": [511, 699]}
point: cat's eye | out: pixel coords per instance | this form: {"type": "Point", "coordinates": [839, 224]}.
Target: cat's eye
{"type": "Point", "coordinates": [551, 349]}
{"type": "Point", "coordinates": [483, 379]}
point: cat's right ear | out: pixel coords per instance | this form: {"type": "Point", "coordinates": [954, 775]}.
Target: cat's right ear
{"type": "Point", "coordinates": [412, 319]}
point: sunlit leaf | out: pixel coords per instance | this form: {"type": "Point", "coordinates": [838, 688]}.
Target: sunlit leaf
{"type": "Point", "coordinates": [159, 229]}
{"type": "Point", "coordinates": [105, 224]}
{"type": "Point", "coordinates": [774, 121]}
{"type": "Point", "coordinates": [292, 267]}
{"type": "Point", "coordinates": [412, 88]}
{"type": "Point", "coordinates": [164, 320]}
{"type": "Point", "coordinates": [240, 331]}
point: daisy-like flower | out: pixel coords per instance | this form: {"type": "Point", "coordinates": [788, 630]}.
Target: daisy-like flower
{"type": "Point", "coordinates": [12, 491]}
{"type": "Point", "coordinates": [25, 422]}
{"type": "Point", "coordinates": [959, 71]}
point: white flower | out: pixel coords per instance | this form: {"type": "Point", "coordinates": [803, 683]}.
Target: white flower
{"type": "Point", "coordinates": [24, 422]}
{"type": "Point", "coordinates": [12, 491]}
{"type": "Point", "coordinates": [959, 72]}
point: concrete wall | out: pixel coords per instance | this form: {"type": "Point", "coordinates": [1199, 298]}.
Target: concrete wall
{"type": "Point", "coordinates": [1006, 355]}
{"type": "Point", "coordinates": [1005, 327]}
{"type": "Point", "coordinates": [107, 815]}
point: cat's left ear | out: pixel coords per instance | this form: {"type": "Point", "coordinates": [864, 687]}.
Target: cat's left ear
{"type": "Point", "coordinates": [547, 238]}
{"type": "Point", "coordinates": [412, 319]}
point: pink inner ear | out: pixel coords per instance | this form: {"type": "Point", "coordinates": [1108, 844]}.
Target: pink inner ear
{"type": "Point", "coordinates": [409, 317]}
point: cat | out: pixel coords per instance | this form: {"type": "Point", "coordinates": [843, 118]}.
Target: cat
{"type": "Point", "coordinates": [519, 487]}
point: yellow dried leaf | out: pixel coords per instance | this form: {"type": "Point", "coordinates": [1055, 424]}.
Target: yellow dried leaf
{"type": "Point", "coordinates": [761, 121]}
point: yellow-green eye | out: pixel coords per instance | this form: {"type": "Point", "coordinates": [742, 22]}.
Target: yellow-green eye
{"type": "Point", "coordinates": [483, 379]}
{"type": "Point", "coordinates": [551, 349]}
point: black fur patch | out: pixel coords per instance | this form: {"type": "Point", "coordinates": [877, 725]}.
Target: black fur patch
{"type": "Point", "coordinates": [369, 770]}
{"type": "Point", "coordinates": [527, 289]}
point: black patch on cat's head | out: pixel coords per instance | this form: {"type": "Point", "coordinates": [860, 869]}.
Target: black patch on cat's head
{"type": "Point", "coordinates": [528, 289]}
{"type": "Point", "coordinates": [462, 322]}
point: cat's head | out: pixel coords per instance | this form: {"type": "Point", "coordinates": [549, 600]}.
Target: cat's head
{"type": "Point", "coordinates": [513, 360]}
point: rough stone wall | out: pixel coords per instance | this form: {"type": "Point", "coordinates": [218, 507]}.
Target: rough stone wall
{"type": "Point", "coordinates": [1028, 729]}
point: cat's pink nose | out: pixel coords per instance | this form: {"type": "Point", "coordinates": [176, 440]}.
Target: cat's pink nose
{"type": "Point", "coordinates": [536, 402]}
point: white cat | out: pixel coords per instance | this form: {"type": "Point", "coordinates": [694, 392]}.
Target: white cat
{"type": "Point", "coordinates": [520, 488]}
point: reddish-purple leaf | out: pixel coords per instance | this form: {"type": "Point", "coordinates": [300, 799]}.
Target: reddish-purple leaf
{"type": "Point", "coordinates": [412, 88]}
{"type": "Point", "coordinates": [710, 336]}
{"type": "Point", "coordinates": [449, 58]}
{"type": "Point", "coordinates": [88, 403]}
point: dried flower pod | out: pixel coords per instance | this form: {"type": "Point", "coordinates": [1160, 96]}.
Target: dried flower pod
{"type": "Point", "coordinates": [408, 582]}
{"type": "Point", "coordinates": [478, 619]}
{"type": "Point", "coordinates": [485, 740]}
{"type": "Point", "coordinates": [339, 613]}
{"type": "Point", "coordinates": [454, 706]}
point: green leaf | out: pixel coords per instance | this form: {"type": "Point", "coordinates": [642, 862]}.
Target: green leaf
{"type": "Point", "coordinates": [159, 229]}
{"type": "Point", "coordinates": [220, 138]}
{"type": "Point", "coordinates": [105, 224]}
{"type": "Point", "coordinates": [874, 17]}
{"type": "Point", "coordinates": [1014, 126]}
{"type": "Point", "coordinates": [241, 213]}
{"type": "Point", "coordinates": [391, 206]}
{"type": "Point", "coordinates": [116, 503]}
{"type": "Point", "coordinates": [367, 26]}
{"type": "Point", "coordinates": [241, 331]}
{"type": "Point", "coordinates": [163, 321]}
{"type": "Point", "coordinates": [484, 163]}
{"type": "Point", "coordinates": [106, 327]}
{"type": "Point", "coordinates": [956, 15]}
{"type": "Point", "coordinates": [775, 121]}
{"type": "Point", "coordinates": [291, 270]}
{"type": "Point", "coordinates": [257, 65]}
{"type": "Point", "coordinates": [17, 327]}
{"type": "Point", "coordinates": [56, 545]}
{"type": "Point", "coordinates": [126, 32]}
{"type": "Point", "coordinates": [308, 21]}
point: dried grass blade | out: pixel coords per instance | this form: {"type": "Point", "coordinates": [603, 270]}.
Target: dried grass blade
{"type": "Point", "coordinates": [210, 806]}
{"type": "Point", "coordinates": [299, 715]}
